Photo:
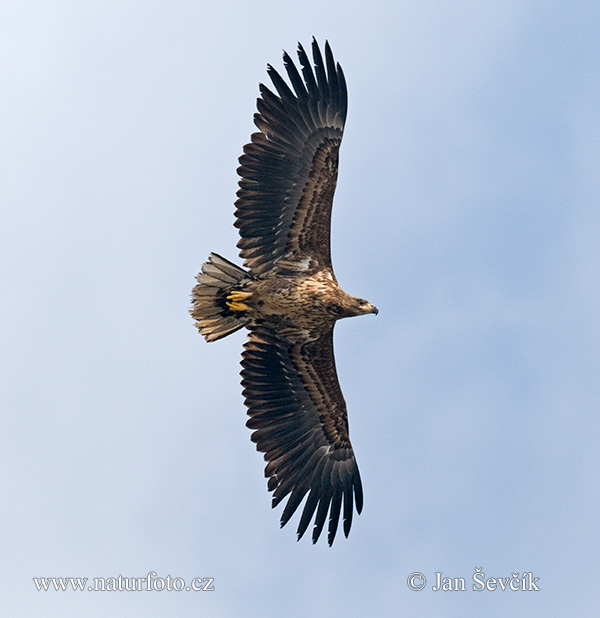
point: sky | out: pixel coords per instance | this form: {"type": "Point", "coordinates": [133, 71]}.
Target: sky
{"type": "Point", "coordinates": [466, 210]}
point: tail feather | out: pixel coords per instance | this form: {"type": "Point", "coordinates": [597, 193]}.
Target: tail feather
{"type": "Point", "coordinates": [214, 318]}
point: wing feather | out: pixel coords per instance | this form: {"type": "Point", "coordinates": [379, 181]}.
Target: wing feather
{"type": "Point", "coordinates": [289, 169]}
{"type": "Point", "coordinates": [298, 414]}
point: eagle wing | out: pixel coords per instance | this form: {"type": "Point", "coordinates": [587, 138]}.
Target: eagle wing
{"type": "Point", "coordinates": [289, 169]}
{"type": "Point", "coordinates": [298, 415]}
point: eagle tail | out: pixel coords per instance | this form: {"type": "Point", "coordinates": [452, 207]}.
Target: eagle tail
{"type": "Point", "coordinates": [217, 303]}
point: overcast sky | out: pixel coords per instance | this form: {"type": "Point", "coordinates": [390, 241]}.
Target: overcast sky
{"type": "Point", "coordinates": [467, 209]}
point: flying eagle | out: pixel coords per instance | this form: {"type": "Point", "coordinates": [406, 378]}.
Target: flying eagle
{"type": "Point", "coordinates": [288, 296]}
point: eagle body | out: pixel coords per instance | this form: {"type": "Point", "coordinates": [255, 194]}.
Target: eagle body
{"type": "Point", "coordinates": [288, 297]}
{"type": "Point", "coordinates": [310, 302]}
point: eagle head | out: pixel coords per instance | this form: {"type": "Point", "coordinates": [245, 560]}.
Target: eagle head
{"type": "Point", "coordinates": [348, 306]}
{"type": "Point", "coordinates": [364, 306]}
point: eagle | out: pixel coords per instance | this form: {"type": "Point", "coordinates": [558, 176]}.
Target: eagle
{"type": "Point", "coordinates": [287, 295]}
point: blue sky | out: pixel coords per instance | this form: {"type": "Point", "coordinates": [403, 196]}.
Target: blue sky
{"type": "Point", "coordinates": [466, 209]}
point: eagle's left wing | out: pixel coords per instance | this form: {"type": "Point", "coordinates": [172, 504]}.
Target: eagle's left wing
{"type": "Point", "coordinates": [299, 416]}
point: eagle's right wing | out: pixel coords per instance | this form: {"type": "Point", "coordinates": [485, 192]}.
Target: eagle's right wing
{"type": "Point", "coordinates": [299, 416]}
{"type": "Point", "coordinates": [289, 169]}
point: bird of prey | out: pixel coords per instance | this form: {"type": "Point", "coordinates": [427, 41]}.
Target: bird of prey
{"type": "Point", "coordinates": [287, 295]}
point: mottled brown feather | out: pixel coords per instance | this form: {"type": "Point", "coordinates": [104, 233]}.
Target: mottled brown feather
{"type": "Point", "coordinates": [298, 415]}
{"type": "Point", "coordinates": [289, 170]}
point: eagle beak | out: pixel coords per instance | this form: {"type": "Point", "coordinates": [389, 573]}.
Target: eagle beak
{"type": "Point", "coordinates": [369, 308]}
{"type": "Point", "coordinates": [365, 307]}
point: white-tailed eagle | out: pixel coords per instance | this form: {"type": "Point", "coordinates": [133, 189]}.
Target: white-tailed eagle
{"type": "Point", "coordinates": [288, 297]}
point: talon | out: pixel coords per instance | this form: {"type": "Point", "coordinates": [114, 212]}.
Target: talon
{"type": "Point", "coordinates": [236, 306]}
{"type": "Point", "coordinates": [237, 296]}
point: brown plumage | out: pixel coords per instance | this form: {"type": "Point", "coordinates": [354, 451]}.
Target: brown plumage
{"type": "Point", "coordinates": [288, 297]}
